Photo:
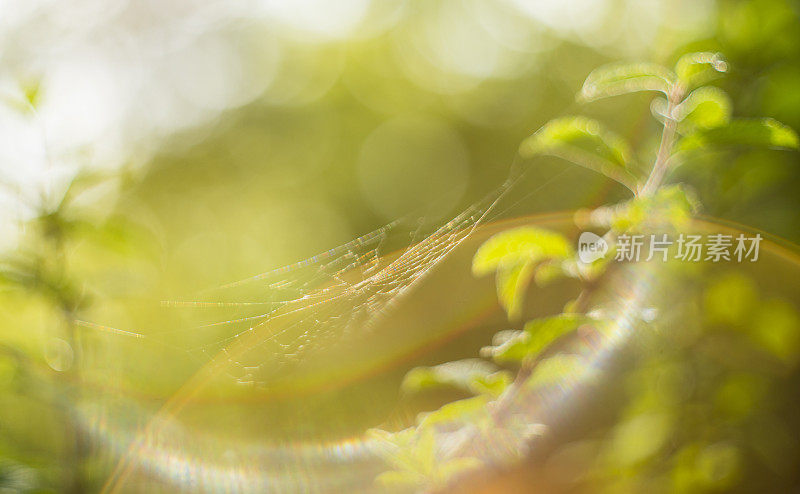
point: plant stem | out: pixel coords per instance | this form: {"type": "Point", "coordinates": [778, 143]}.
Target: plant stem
{"type": "Point", "coordinates": [665, 148]}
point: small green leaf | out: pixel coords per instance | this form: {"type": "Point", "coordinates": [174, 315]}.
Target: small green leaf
{"type": "Point", "coordinates": [558, 369]}
{"type": "Point", "coordinates": [493, 384]}
{"type": "Point", "coordinates": [757, 132]}
{"type": "Point", "coordinates": [584, 142]}
{"type": "Point", "coordinates": [671, 206]}
{"type": "Point", "coordinates": [537, 336]}
{"type": "Point", "coordinates": [624, 78]}
{"type": "Point", "coordinates": [545, 331]}
{"type": "Point", "coordinates": [512, 284]}
{"type": "Point", "coordinates": [457, 411]}
{"type": "Point", "coordinates": [631, 217]}
{"type": "Point", "coordinates": [549, 271]}
{"type": "Point", "coordinates": [519, 245]}
{"type": "Point", "coordinates": [705, 108]}
{"type": "Point", "coordinates": [674, 205]}
{"type": "Point", "coordinates": [460, 374]}
{"type": "Point", "coordinates": [694, 69]}
{"type": "Point", "coordinates": [510, 350]}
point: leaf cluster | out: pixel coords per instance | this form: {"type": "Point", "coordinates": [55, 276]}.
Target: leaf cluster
{"type": "Point", "coordinates": [695, 117]}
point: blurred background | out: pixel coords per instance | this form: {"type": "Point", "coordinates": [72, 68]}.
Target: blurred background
{"type": "Point", "coordinates": [151, 150]}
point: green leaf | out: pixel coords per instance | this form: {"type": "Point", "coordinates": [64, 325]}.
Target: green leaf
{"type": "Point", "coordinates": [624, 78]}
{"type": "Point", "coordinates": [514, 254]}
{"type": "Point", "coordinates": [757, 132]}
{"type": "Point", "coordinates": [493, 384]}
{"type": "Point", "coordinates": [460, 374]}
{"type": "Point", "coordinates": [694, 69]}
{"type": "Point", "coordinates": [584, 142]}
{"type": "Point", "coordinates": [704, 108]}
{"type": "Point", "coordinates": [632, 215]}
{"type": "Point", "coordinates": [549, 271]}
{"type": "Point", "coordinates": [519, 245]}
{"type": "Point", "coordinates": [558, 369]}
{"type": "Point", "coordinates": [537, 336]}
{"type": "Point", "coordinates": [512, 283]}
{"type": "Point", "coordinates": [512, 350]}
{"type": "Point", "coordinates": [545, 331]}
{"type": "Point", "coordinates": [671, 206]}
{"type": "Point", "coordinates": [457, 411]}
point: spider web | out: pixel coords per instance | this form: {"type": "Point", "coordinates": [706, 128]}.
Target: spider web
{"type": "Point", "coordinates": [278, 318]}
{"type": "Point", "coordinates": [293, 314]}
{"type": "Point", "coordinates": [356, 288]}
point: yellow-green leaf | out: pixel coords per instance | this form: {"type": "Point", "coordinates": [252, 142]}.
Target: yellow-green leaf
{"type": "Point", "coordinates": [694, 69]}
{"type": "Point", "coordinates": [757, 132]}
{"type": "Point", "coordinates": [705, 108]}
{"type": "Point", "coordinates": [456, 411]}
{"type": "Point", "coordinates": [537, 336]}
{"type": "Point", "coordinates": [558, 369]}
{"type": "Point", "coordinates": [584, 142]}
{"type": "Point", "coordinates": [624, 78]}
{"type": "Point", "coordinates": [512, 282]}
{"type": "Point", "coordinates": [460, 374]}
{"type": "Point", "coordinates": [519, 245]}
{"type": "Point", "coordinates": [671, 206]}
{"type": "Point", "coordinates": [493, 384]}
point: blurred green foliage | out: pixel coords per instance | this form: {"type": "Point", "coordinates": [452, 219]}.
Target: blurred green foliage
{"type": "Point", "coordinates": [356, 132]}
{"type": "Point", "coordinates": [550, 358]}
